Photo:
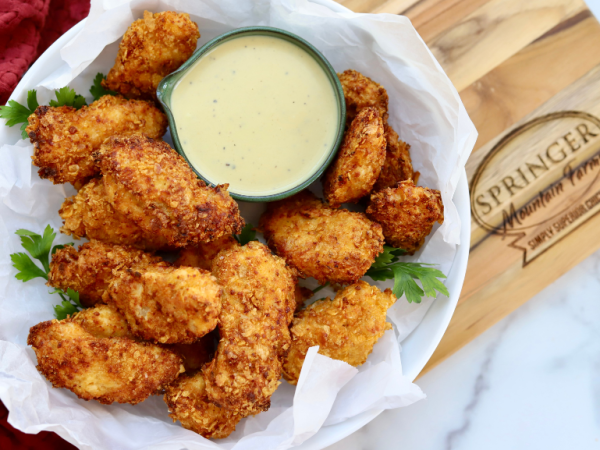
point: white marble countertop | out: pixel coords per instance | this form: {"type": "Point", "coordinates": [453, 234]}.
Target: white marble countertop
{"type": "Point", "coordinates": [530, 382]}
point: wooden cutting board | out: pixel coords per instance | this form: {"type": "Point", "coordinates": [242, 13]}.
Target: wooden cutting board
{"type": "Point", "coordinates": [528, 73]}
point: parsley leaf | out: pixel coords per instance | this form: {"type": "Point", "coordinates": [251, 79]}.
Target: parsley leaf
{"type": "Point", "coordinates": [248, 234]}
{"type": "Point", "coordinates": [74, 297]}
{"type": "Point", "coordinates": [64, 309]}
{"type": "Point", "coordinates": [386, 267]}
{"type": "Point", "coordinates": [40, 248]}
{"type": "Point", "coordinates": [61, 246]}
{"type": "Point", "coordinates": [32, 102]}
{"type": "Point", "coordinates": [26, 267]}
{"type": "Point", "coordinates": [388, 256]}
{"type": "Point", "coordinates": [97, 90]}
{"type": "Point", "coordinates": [66, 96]}
{"type": "Point", "coordinates": [15, 113]}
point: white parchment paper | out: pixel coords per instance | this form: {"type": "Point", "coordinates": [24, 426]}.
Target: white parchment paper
{"type": "Point", "coordinates": [425, 110]}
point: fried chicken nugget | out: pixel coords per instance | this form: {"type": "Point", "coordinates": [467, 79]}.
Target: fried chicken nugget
{"type": "Point", "coordinates": [108, 370]}
{"type": "Point", "coordinates": [333, 245]}
{"type": "Point", "coordinates": [345, 328]}
{"type": "Point", "coordinates": [151, 48]}
{"type": "Point", "coordinates": [152, 186]}
{"type": "Point", "coordinates": [202, 255]}
{"type": "Point", "coordinates": [90, 269]}
{"type": "Point", "coordinates": [167, 305]}
{"type": "Point", "coordinates": [187, 401]}
{"type": "Point", "coordinates": [358, 162]}
{"type": "Point", "coordinates": [407, 214]}
{"type": "Point", "coordinates": [103, 321]}
{"type": "Point", "coordinates": [258, 299]}
{"type": "Point", "coordinates": [362, 92]}
{"type": "Point", "coordinates": [64, 137]}
{"type": "Point", "coordinates": [398, 164]}
{"type": "Point", "coordinates": [89, 214]}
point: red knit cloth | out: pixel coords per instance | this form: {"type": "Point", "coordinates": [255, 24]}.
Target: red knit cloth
{"type": "Point", "coordinates": [27, 29]}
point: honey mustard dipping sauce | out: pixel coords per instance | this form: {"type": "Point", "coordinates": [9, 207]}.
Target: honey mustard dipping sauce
{"type": "Point", "coordinates": [257, 112]}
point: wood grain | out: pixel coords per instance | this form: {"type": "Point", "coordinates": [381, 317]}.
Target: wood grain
{"type": "Point", "coordinates": [497, 283]}
{"type": "Point", "coordinates": [493, 33]}
{"type": "Point", "coordinates": [513, 61]}
{"type": "Point", "coordinates": [432, 17]}
{"type": "Point", "coordinates": [532, 76]}
{"type": "Point", "coordinates": [378, 6]}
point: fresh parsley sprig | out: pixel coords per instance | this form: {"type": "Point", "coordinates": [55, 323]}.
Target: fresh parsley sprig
{"type": "Point", "coordinates": [248, 234]}
{"type": "Point", "coordinates": [67, 307]}
{"type": "Point", "coordinates": [66, 96]}
{"type": "Point", "coordinates": [40, 248]}
{"type": "Point", "coordinates": [404, 274]}
{"type": "Point", "coordinates": [97, 90]}
{"type": "Point", "coordinates": [15, 113]}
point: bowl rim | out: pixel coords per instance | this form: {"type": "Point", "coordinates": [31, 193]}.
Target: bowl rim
{"type": "Point", "coordinates": [327, 435]}
{"type": "Point", "coordinates": [168, 84]}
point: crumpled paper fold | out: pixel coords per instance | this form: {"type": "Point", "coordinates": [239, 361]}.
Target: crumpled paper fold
{"type": "Point", "coordinates": [425, 110]}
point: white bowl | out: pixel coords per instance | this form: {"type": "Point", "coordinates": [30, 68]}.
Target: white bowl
{"type": "Point", "coordinates": [416, 349]}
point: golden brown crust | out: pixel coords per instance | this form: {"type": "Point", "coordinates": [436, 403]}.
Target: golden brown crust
{"type": "Point", "coordinates": [151, 48]}
{"type": "Point", "coordinates": [187, 401]}
{"type": "Point", "coordinates": [108, 370]}
{"type": "Point", "coordinates": [258, 299]}
{"type": "Point", "coordinates": [346, 328]}
{"type": "Point", "coordinates": [90, 269]}
{"type": "Point", "coordinates": [202, 255]}
{"type": "Point", "coordinates": [333, 245]}
{"type": "Point", "coordinates": [167, 305]}
{"type": "Point", "coordinates": [89, 214]}
{"type": "Point", "coordinates": [407, 214]}
{"type": "Point", "coordinates": [103, 321]}
{"type": "Point", "coordinates": [358, 162]}
{"type": "Point", "coordinates": [361, 92]}
{"type": "Point", "coordinates": [398, 165]}
{"type": "Point", "coordinates": [152, 186]}
{"type": "Point", "coordinates": [64, 138]}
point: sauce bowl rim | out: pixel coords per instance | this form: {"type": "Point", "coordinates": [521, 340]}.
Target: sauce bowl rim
{"type": "Point", "coordinates": [167, 86]}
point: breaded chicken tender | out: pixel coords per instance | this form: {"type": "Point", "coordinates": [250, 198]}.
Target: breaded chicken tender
{"type": "Point", "coordinates": [199, 353]}
{"type": "Point", "coordinates": [103, 321]}
{"type": "Point", "coordinates": [152, 186]}
{"type": "Point", "coordinates": [362, 92]}
{"type": "Point", "coordinates": [202, 255]}
{"type": "Point", "coordinates": [407, 214]}
{"type": "Point", "coordinates": [151, 48]}
{"type": "Point", "coordinates": [90, 269]}
{"type": "Point", "coordinates": [398, 165]}
{"type": "Point", "coordinates": [188, 403]}
{"type": "Point", "coordinates": [108, 370]}
{"type": "Point", "coordinates": [258, 298]}
{"type": "Point", "coordinates": [333, 245]}
{"type": "Point", "coordinates": [345, 328]}
{"type": "Point", "coordinates": [89, 214]}
{"type": "Point", "coordinates": [358, 162]}
{"type": "Point", "coordinates": [64, 137]}
{"type": "Point", "coordinates": [167, 305]}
